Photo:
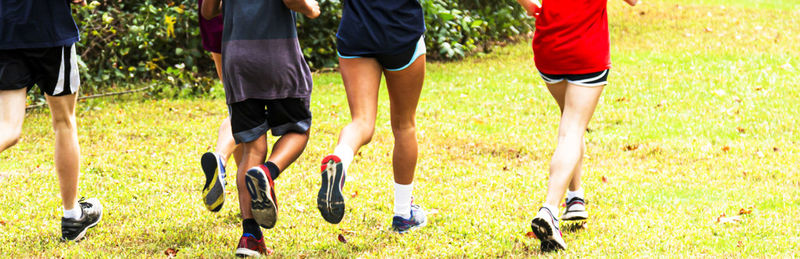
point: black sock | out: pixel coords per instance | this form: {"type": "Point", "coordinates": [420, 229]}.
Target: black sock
{"type": "Point", "coordinates": [249, 226]}
{"type": "Point", "coordinates": [274, 171]}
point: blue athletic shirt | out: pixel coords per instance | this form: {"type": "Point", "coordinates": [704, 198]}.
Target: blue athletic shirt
{"type": "Point", "coordinates": [36, 24]}
{"type": "Point", "coordinates": [379, 26]}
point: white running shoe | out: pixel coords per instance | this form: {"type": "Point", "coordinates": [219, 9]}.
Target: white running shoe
{"type": "Point", "coordinates": [545, 227]}
{"type": "Point", "coordinates": [576, 209]}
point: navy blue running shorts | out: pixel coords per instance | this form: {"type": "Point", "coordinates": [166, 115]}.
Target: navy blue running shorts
{"type": "Point", "coordinates": [396, 62]}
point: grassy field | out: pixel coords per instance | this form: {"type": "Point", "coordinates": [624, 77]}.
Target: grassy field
{"type": "Point", "coordinates": [699, 120]}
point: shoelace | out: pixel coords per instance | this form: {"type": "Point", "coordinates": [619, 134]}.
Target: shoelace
{"type": "Point", "coordinates": [84, 205]}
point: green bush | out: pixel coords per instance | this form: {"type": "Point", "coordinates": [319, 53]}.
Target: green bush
{"type": "Point", "coordinates": [127, 41]}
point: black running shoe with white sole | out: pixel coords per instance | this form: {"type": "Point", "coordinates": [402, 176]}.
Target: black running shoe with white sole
{"type": "Point", "coordinates": [330, 199]}
{"type": "Point", "coordinates": [264, 205]}
{"type": "Point", "coordinates": [545, 227]}
{"type": "Point", "coordinates": [214, 188]}
{"type": "Point", "coordinates": [75, 229]}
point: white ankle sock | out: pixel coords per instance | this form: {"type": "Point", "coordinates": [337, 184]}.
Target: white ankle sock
{"type": "Point", "coordinates": [402, 199]}
{"type": "Point", "coordinates": [344, 153]}
{"type": "Point", "coordinates": [553, 210]}
{"type": "Point", "coordinates": [577, 193]}
{"type": "Point", "coordinates": [74, 213]}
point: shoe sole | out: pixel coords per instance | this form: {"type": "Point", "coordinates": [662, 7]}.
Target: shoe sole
{"type": "Point", "coordinates": [543, 232]}
{"type": "Point", "coordinates": [214, 198]}
{"type": "Point", "coordinates": [581, 215]}
{"type": "Point", "coordinates": [330, 200]}
{"type": "Point", "coordinates": [244, 252]}
{"type": "Point", "coordinates": [83, 232]}
{"type": "Point", "coordinates": [262, 206]}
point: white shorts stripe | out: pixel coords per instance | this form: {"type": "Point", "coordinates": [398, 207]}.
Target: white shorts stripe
{"type": "Point", "coordinates": [550, 80]}
{"type": "Point", "coordinates": [593, 78]}
{"type": "Point", "coordinates": [60, 83]}
{"type": "Point", "coordinates": [74, 78]}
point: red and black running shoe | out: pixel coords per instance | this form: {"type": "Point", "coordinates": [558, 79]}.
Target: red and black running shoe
{"type": "Point", "coordinates": [264, 205]}
{"type": "Point", "coordinates": [249, 246]}
{"type": "Point", "coordinates": [330, 199]}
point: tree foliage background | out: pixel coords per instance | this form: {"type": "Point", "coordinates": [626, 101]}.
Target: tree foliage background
{"type": "Point", "coordinates": [125, 41]}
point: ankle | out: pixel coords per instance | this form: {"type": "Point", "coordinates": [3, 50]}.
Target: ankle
{"type": "Point", "coordinates": [249, 226]}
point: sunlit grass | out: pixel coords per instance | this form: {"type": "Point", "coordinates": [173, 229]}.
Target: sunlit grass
{"type": "Point", "coordinates": [699, 119]}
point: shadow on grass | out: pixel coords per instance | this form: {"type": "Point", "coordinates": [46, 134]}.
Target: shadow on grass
{"type": "Point", "coordinates": [574, 226]}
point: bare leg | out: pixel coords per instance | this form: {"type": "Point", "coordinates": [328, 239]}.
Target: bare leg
{"type": "Point", "coordinates": [288, 148]}
{"type": "Point", "coordinates": [225, 143]}
{"type": "Point", "coordinates": [217, 57]}
{"type": "Point", "coordinates": [67, 150]}
{"type": "Point", "coordinates": [254, 155]}
{"type": "Point", "coordinates": [558, 91]}
{"type": "Point", "coordinates": [362, 79]}
{"type": "Point", "coordinates": [579, 105]}
{"type": "Point", "coordinates": [404, 91]}
{"type": "Point", "coordinates": [12, 114]}
{"type": "Point", "coordinates": [226, 146]}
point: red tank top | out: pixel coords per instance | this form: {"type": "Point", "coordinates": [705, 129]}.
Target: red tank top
{"type": "Point", "coordinates": [571, 37]}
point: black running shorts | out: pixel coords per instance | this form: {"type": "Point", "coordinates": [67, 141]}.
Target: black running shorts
{"type": "Point", "coordinates": [54, 70]}
{"type": "Point", "coordinates": [252, 118]}
{"type": "Point", "coordinates": [590, 79]}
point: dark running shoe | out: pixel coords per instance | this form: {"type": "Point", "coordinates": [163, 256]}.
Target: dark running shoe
{"type": "Point", "coordinates": [74, 229]}
{"type": "Point", "coordinates": [330, 199]}
{"type": "Point", "coordinates": [249, 246]}
{"type": "Point", "coordinates": [264, 204]}
{"type": "Point", "coordinates": [214, 189]}
{"type": "Point", "coordinates": [417, 219]}
{"type": "Point", "coordinates": [576, 209]}
{"type": "Point", "coordinates": [545, 227]}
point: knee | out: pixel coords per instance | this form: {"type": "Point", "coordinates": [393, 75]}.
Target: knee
{"type": "Point", "coordinates": [63, 122]}
{"type": "Point", "coordinates": [9, 135]}
{"type": "Point", "coordinates": [403, 127]}
{"type": "Point", "coordinates": [11, 138]}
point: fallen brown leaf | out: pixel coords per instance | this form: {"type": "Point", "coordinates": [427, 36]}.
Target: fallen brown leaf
{"type": "Point", "coordinates": [726, 148]}
{"type": "Point", "coordinates": [530, 234]}
{"type": "Point", "coordinates": [631, 147]}
{"type": "Point", "coordinates": [2, 223]}
{"type": "Point", "coordinates": [605, 180]}
{"type": "Point", "coordinates": [746, 211]}
{"type": "Point", "coordinates": [171, 252]}
{"type": "Point", "coordinates": [776, 149]}
{"type": "Point", "coordinates": [740, 129]}
{"type": "Point", "coordinates": [342, 239]}
{"type": "Point", "coordinates": [621, 99]}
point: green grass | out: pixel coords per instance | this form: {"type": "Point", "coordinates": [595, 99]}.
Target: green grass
{"type": "Point", "coordinates": [680, 93]}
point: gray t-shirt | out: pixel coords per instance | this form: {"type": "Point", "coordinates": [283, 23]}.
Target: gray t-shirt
{"type": "Point", "coordinates": [261, 57]}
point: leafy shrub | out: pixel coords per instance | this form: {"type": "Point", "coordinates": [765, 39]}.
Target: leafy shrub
{"type": "Point", "coordinates": [128, 41]}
